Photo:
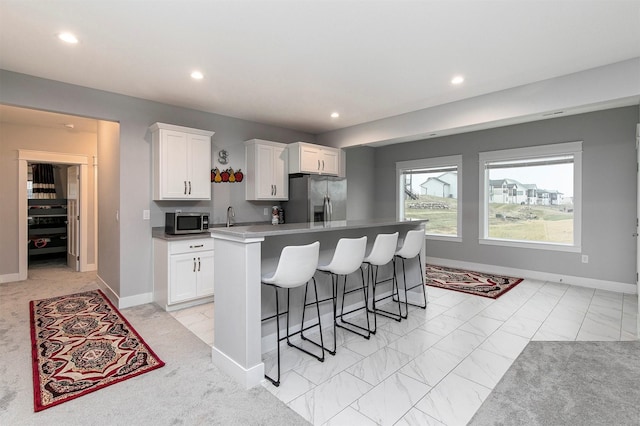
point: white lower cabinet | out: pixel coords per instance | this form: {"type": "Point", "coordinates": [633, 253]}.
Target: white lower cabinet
{"type": "Point", "coordinates": [182, 272]}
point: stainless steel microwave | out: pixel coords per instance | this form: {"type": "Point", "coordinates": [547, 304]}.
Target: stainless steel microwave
{"type": "Point", "coordinates": [186, 223]}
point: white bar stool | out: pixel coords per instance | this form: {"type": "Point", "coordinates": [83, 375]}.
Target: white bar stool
{"type": "Point", "coordinates": [383, 251]}
{"type": "Point", "coordinates": [410, 249]}
{"type": "Point", "coordinates": [347, 258]}
{"type": "Point", "coordinates": [296, 266]}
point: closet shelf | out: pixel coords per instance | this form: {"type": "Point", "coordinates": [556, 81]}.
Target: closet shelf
{"type": "Point", "coordinates": [47, 220]}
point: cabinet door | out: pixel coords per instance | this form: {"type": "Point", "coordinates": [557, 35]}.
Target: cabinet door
{"type": "Point", "coordinates": [310, 159]}
{"type": "Point", "coordinates": [280, 173]}
{"type": "Point", "coordinates": [205, 272]}
{"type": "Point", "coordinates": [183, 278]}
{"type": "Point", "coordinates": [264, 172]}
{"type": "Point", "coordinates": [200, 171]}
{"type": "Point", "coordinates": [175, 165]}
{"type": "Point", "coordinates": [330, 161]}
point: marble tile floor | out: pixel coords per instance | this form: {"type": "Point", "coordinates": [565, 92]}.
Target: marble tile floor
{"type": "Point", "coordinates": [437, 367]}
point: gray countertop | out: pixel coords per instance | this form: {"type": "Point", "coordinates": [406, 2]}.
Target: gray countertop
{"type": "Point", "coordinates": [158, 232]}
{"type": "Point", "coordinates": [256, 231]}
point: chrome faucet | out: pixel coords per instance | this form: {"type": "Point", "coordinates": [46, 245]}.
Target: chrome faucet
{"type": "Point", "coordinates": [230, 214]}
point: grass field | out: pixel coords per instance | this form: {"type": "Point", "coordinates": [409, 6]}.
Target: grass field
{"type": "Point", "coordinates": [531, 223]}
{"type": "Point", "coordinates": [442, 221]}
{"type": "Point", "coordinates": [507, 221]}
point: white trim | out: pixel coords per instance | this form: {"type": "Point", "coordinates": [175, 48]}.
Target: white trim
{"type": "Point", "coordinates": [9, 278]}
{"type": "Point", "coordinates": [249, 377]}
{"type": "Point", "coordinates": [449, 238]}
{"type": "Point", "coordinates": [537, 275]}
{"type": "Point", "coordinates": [531, 151]}
{"type": "Point", "coordinates": [156, 126]}
{"type": "Point", "coordinates": [107, 290]}
{"type": "Point", "coordinates": [530, 245]}
{"type": "Point", "coordinates": [138, 299]}
{"type": "Point", "coordinates": [449, 160]}
{"type": "Point", "coordinates": [25, 155]}
{"type": "Point", "coordinates": [123, 302]}
{"type": "Point", "coordinates": [574, 148]}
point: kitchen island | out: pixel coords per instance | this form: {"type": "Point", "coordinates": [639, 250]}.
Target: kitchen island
{"type": "Point", "coordinates": [242, 255]}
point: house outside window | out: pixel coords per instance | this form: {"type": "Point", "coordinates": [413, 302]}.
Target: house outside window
{"type": "Point", "coordinates": [430, 189]}
{"type": "Point", "coordinates": [541, 207]}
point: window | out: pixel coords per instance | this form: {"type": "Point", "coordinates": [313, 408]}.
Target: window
{"type": "Point", "coordinates": [430, 189]}
{"type": "Point", "coordinates": [530, 197]}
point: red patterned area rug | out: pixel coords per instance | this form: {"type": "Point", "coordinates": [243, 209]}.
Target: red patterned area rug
{"type": "Point", "coordinates": [478, 283]}
{"type": "Point", "coordinates": [81, 343]}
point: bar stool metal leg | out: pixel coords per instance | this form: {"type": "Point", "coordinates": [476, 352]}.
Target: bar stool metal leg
{"type": "Point", "coordinates": [406, 289]}
{"type": "Point", "coordinates": [394, 294]}
{"type": "Point", "coordinates": [365, 332]}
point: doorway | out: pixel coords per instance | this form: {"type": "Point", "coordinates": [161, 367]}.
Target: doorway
{"type": "Point", "coordinates": [82, 162]}
{"type": "Point", "coordinates": [53, 215]}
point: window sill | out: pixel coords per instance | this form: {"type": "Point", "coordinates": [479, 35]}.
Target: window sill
{"type": "Point", "coordinates": [451, 238]}
{"type": "Point", "coordinates": [531, 245]}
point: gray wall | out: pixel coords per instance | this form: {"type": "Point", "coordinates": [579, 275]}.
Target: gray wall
{"type": "Point", "coordinates": [360, 177]}
{"type": "Point", "coordinates": [609, 192]}
{"type": "Point", "coordinates": [135, 116]}
{"type": "Point", "coordinates": [109, 203]}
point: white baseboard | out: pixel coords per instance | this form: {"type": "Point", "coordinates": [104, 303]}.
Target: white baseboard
{"type": "Point", "coordinates": [9, 278]}
{"type": "Point", "coordinates": [123, 302]}
{"type": "Point", "coordinates": [537, 275]}
{"type": "Point", "coordinates": [248, 377]}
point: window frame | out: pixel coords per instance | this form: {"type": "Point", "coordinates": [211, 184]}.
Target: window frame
{"type": "Point", "coordinates": [432, 163]}
{"type": "Point", "coordinates": [565, 148]}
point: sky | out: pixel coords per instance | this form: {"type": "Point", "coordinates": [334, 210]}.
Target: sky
{"type": "Point", "coordinates": [559, 177]}
{"type": "Point", "coordinates": [550, 177]}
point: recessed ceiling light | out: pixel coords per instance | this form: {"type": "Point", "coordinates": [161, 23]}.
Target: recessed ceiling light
{"type": "Point", "coordinates": [197, 75]}
{"type": "Point", "coordinates": [68, 38]}
{"type": "Point", "coordinates": [458, 79]}
{"type": "Point", "coordinates": [335, 115]}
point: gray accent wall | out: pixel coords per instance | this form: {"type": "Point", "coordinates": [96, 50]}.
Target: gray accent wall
{"type": "Point", "coordinates": [609, 192]}
{"type": "Point", "coordinates": [360, 177]}
{"type": "Point", "coordinates": [133, 246]}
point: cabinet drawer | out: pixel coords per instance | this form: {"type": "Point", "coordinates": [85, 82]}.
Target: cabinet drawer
{"type": "Point", "coordinates": [187, 246]}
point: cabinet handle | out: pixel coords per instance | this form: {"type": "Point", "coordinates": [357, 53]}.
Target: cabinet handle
{"type": "Point", "coordinates": [275, 189]}
{"type": "Point", "coordinates": [189, 187]}
{"type": "Point", "coordinates": [198, 264]}
{"type": "Point", "coordinates": [318, 164]}
{"type": "Point", "coordinates": [194, 264]}
{"type": "Point", "coordinates": [322, 164]}
{"type": "Point", "coordinates": [198, 246]}
{"type": "Point", "coordinates": [185, 187]}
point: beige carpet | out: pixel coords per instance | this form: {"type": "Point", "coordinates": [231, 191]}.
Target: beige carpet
{"type": "Point", "coordinates": [189, 390]}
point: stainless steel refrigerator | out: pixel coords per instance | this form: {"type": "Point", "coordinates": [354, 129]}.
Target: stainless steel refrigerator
{"type": "Point", "coordinates": [316, 199]}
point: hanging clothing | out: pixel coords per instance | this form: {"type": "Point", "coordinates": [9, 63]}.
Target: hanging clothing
{"type": "Point", "coordinates": [43, 181]}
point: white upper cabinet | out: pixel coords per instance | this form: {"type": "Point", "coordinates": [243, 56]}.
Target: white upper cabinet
{"type": "Point", "coordinates": [314, 159]}
{"type": "Point", "coordinates": [181, 163]}
{"type": "Point", "coordinates": [267, 176]}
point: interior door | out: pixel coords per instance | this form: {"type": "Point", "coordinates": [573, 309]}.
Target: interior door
{"type": "Point", "coordinates": [73, 217]}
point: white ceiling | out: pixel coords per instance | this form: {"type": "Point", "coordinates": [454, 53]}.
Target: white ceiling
{"type": "Point", "coordinates": [292, 63]}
